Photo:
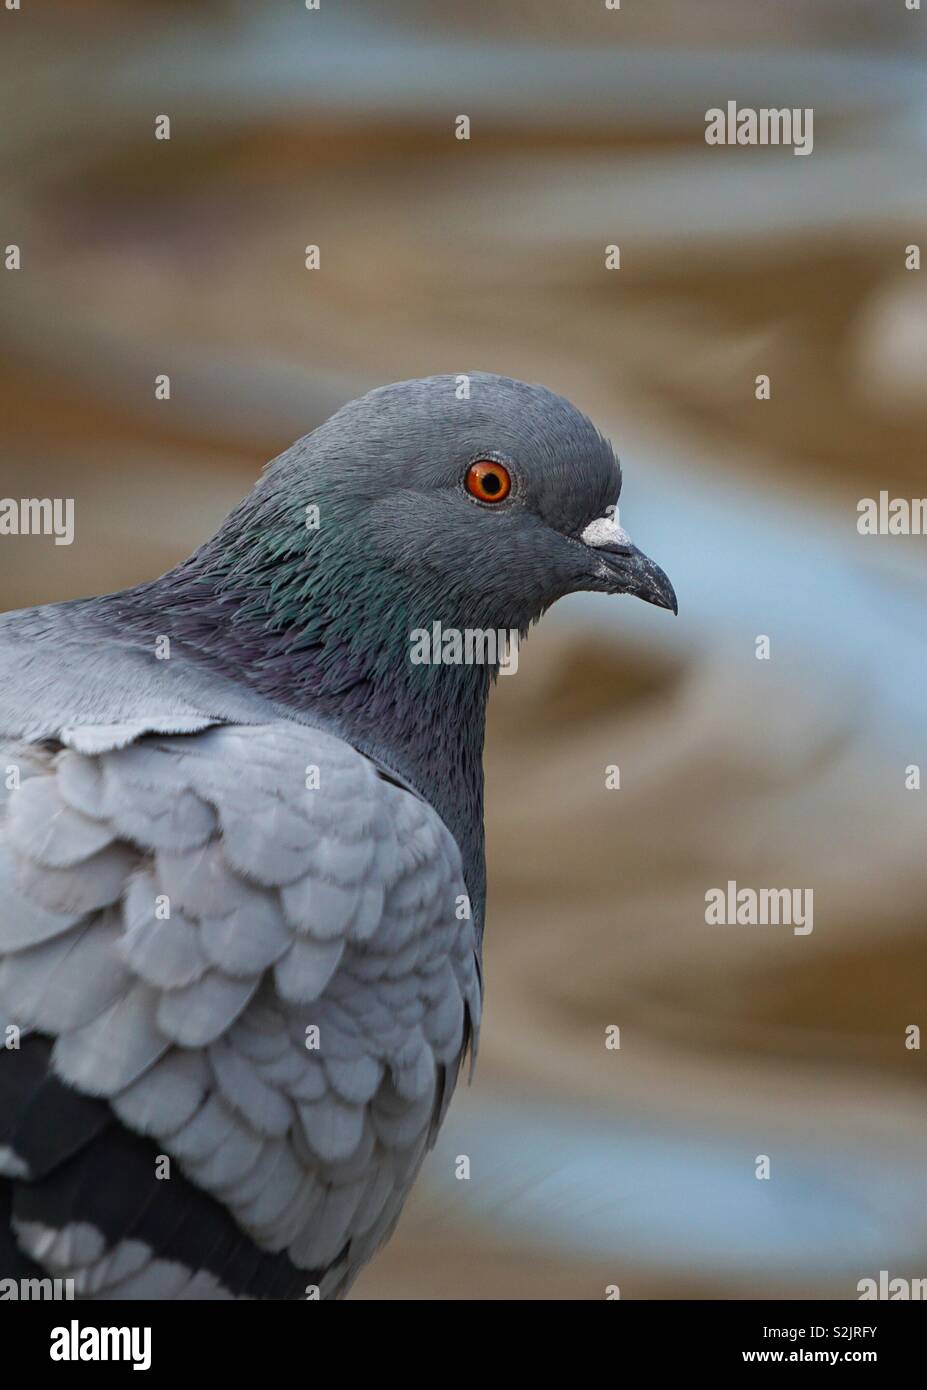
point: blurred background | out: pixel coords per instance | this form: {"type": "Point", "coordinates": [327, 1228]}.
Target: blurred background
{"type": "Point", "coordinates": [590, 1167]}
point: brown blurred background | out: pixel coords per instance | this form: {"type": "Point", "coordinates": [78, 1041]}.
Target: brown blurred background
{"type": "Point", "coordinates": [590, 1167]}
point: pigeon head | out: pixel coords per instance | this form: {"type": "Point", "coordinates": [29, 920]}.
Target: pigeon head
{"type": "Point", "coordinates": [476, 509]}
{"type": "Point", "coordinates": [414, 507]}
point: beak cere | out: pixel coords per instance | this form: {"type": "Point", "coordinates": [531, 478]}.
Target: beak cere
{"type": "Point", "coordinates": [624, 568]}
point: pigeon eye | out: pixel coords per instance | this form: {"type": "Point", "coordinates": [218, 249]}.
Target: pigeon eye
{"type": "Point", "coordinates": [488, 481]}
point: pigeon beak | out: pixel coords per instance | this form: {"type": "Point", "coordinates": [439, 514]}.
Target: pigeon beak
{"type": "Point", "coordinates": [635, 573]}
{"type": "Point", "coordinates": [625, 569]}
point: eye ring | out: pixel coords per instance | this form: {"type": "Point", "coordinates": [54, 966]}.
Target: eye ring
{"type": "Point", "coordinates": [488, 481]}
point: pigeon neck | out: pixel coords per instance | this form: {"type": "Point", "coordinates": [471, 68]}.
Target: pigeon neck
{"type": "Point", "coordinates": [350, 661]}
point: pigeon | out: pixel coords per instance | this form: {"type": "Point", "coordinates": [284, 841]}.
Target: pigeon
{"type": "Point", "coordinates": [241, 847]}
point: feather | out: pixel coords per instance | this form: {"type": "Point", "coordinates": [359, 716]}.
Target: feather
{"type": "Point", "coordinates": [306, 969]}
{"type": "Point", "coordinates": [115, 1048]}
{"type": "Point", "coordinates": [68, 981]}
{"type": "Point", "coordinates": [199, 1013]}
{"type": "Point", "coordinates": [323, 910]}
{"type": "Point", "coordinates": [332, 1127]}
{"type": "Point", "coordinates": [246, 1091]}
{"type": "Point", "coordinates": [46, 830]}
{"type": "Point", "coordinates": [164, 951]}
{"type": "Point", "coordinates": [167, 1096]}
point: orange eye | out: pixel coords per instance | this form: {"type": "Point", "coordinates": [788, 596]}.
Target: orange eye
{"type": "Point", "coordinates": [488, 481]}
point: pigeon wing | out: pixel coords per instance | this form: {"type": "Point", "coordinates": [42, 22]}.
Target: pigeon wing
{"type": "Point", "coordinates": [238, 958]}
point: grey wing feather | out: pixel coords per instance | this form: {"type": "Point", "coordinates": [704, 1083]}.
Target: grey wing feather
{"type": "Point", "coordinates": [268, 977]}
